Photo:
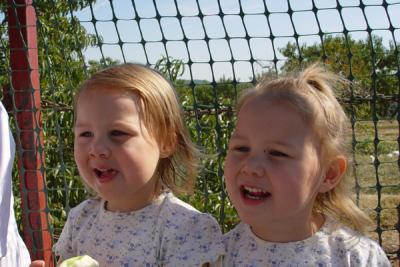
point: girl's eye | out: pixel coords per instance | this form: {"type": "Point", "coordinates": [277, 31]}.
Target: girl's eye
{"type": "Point", "coordinates": [241, 149]}
{"type": "Point", "coordinates": [117, 133]}
{"type": "Point", "coordinates": [276, 153]}
{"type": "Point", "coordinates": [86, 134]}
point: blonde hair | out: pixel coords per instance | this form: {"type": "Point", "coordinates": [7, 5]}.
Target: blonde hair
{"type": "Point", "coordinates": [163, 116]}
{"type": "Point", "coordinates": [311, 91]}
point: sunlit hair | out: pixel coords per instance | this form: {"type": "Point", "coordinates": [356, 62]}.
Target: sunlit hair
{"type": "Point", "coordinates": [162, 115]}
{"type": "Point", "coordinates": [311, 91]}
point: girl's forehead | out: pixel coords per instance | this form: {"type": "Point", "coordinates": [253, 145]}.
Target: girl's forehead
{"type": "Point", "coordinates": [261, 104]}
{"type": "Point", "coordinates": [273, 117]}
{"type": "Point", "coordinates": [95, 92]}
{"type": "Point", "coordinates": [108, 89]}
{"type": "Point", "coordinates": [102, 99]}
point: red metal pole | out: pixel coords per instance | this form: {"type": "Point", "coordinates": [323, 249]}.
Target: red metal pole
{"type": "Point", "coordinates": [26, 89]}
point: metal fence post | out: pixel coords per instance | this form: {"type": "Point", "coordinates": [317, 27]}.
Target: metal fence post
{"type": "Point", "coordinates": [26, 88]}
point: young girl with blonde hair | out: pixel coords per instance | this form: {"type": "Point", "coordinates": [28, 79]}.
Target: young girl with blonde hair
{"type": "Point", "coordinates": [134, 151]}
{"type": "Point", "coordinates": [284, 174]}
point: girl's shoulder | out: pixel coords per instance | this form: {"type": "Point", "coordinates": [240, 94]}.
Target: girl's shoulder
{"type": "Point", "coordinates": [178, 218]}
{"type": "Point", "coordinates": [356, 245]}
{"type": "Point", "coordinates": [236, 233]}
{"type": "Point", "coordinates": [345, 237]}
{"type": "Point", "coordinates": [188, 237]}
{"type": "Point", "coordinates": [184, 213]}
{"type": "Point", "coordinates": [338, 232]}
{"type": "Point", "coordinates": [238, 236]}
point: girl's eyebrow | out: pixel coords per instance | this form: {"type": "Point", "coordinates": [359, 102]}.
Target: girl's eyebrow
{"type": "Point", "coordinates": [238, 137]}
{"type": "Point", "coordinates": [113, 124]}
{"type": "Point", "coordinates": [274, 142]}
{"type": "Point", "coordinates": [235, 136]}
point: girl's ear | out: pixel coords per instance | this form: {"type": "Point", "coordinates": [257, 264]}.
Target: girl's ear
{"type": "Point", "coordinates": [334, 172]}
{"type": "Point", "coordinates": [167, 150]}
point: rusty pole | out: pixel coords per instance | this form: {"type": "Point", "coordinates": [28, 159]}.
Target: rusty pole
{"type": "Point", "coordinates": [26, 90]}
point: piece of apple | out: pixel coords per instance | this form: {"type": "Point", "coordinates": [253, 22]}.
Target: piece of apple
{"type": "Point", "coordinates": [80, 261]}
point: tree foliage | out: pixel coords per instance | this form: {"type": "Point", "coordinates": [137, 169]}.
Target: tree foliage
{"type": "Point", "coordinates": [370, 65]}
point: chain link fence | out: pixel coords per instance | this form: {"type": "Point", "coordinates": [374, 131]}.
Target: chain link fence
{"type": "Point", "coordinates": [211, 50]}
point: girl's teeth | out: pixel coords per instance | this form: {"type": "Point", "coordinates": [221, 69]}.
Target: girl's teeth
{"type": "Point", "coordinates": [254, 190]}
{"type": "Point", "coordinates": [253, 197]}
{"type": "Point", "coordinates": [255, 193]}
{"type": "Point", "coordinates": [106, 170]}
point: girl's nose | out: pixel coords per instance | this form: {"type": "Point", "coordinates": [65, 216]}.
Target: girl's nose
{"type": "Point", "coordinates": [254, 166]}
{"type": "Point", "coordinates": [99, 150]}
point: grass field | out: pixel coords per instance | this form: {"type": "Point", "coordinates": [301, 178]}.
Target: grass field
{"type": "Point", "coordinates": [376, 171]}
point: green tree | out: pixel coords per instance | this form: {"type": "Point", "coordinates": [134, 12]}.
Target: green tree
{"type": "Point", "coordinates": [171, 68]}
{"type": "Point", "coordinates": [370, 65]}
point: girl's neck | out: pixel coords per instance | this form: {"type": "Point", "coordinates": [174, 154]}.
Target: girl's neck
{"type": "Point", "coordinates": [129, 206]}
{"type": "Point", "coordinates": [292, 231]}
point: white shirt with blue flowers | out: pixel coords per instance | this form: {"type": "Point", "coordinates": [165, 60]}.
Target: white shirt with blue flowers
{"type": "Point", "coordinates": [333, 245]}
{"type": "Point", "coordinates": [168, 232]}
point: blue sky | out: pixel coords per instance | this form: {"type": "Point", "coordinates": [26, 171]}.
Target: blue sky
{"type": "Point", "coordinates": [227, 46]}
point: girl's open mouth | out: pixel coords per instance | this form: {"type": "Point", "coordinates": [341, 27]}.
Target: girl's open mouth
{"type": "Point", "coordinates": [105, 175]}
{"type": "Point", "coordinates": [254, 193]}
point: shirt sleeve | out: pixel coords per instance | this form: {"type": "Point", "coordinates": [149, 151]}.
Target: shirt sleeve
{"type": "Point", "coordinates": [7, 158]}
{"type": "Point", "coordinates": [193, 242]}
{"type": "Point", "coordinates": [13, 251]}
{"type": "Point", "coordinates": [17, 253]}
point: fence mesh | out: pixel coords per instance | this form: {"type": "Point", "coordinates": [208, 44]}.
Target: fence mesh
{"type": "Point", "coordinates": [211, 49]}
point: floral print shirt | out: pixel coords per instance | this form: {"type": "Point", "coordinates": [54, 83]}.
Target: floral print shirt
{"type": "Point", "coordinates": [333, 245]}
{"type": "Point", "coordinates": [168, 232]}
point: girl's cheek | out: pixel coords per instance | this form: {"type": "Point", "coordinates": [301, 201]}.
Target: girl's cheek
{"type": "Point", "coordinates": [230, 168]}
{"type": "Point", "coordinates": [235, 157]}
{"type": "Point", "coordinates": [78, 141]}
{"type": "Point", "coordinates": [228, 160]}
{"type": "Point", "coordinates": [81, 142]}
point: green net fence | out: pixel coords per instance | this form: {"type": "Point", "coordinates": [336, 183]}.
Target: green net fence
{"type": "Point", "coordinates": [211, 50]}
